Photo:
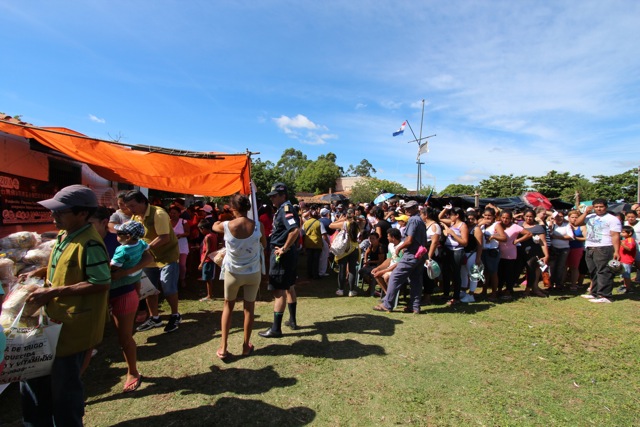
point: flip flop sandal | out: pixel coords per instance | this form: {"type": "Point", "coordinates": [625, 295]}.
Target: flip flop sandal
{"type": "Point", "coordinates": [222, 356]}
{"type": "Point", "coordinates": [132, 385]}
{"type": "Point", "coordinates": [382, 308]}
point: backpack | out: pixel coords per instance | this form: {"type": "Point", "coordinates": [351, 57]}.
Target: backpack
{"type": "Point", "coordinates": [340, 243]}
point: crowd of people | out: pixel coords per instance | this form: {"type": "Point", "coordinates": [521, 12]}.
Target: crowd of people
{"type": "Point", "coordinates": [390, 245]}
{"type": "Point", "coordinates": [100, 259]}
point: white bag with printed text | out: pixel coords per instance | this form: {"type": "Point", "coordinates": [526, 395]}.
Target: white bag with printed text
{"type": "Point", "coordinates": [30, 351]}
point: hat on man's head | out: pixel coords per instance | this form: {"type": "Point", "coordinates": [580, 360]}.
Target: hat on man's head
{"type": "Point", "coordinates": [324, 212]}
{"type": "Point", "coordinates": [402, 218]}
{"type": "Point", "coordinates": [339, 207]}
{"type": "Point", "coordinates": [72, 196]}
{"type": "Point", "coordinates": [411, 204]}
{"type": "Point", "coordinates": [207, 208]}
{"type": "Point", "coordinates": [277, 188]}
{"type": "Point", "coordinates": [132, 228]}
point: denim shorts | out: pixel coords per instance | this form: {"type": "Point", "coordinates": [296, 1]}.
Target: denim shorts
{"type": "Point", "coordinates": [165, 278]}
{"type": "Point", "coordinates": [626, 272]}
{"type": "Point", "coordinates": [208, 271]}
{"type": "Point", "coordinates": [491, 259]}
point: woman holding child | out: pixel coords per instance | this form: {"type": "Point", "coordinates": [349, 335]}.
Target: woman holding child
{"type": "Point", "coordinates": [242, 267]}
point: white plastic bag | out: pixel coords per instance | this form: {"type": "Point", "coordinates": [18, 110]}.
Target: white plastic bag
{"type": "Point", "coordinates": [146, 287]}
{"type": "Point", "coordinates": [30, 351]}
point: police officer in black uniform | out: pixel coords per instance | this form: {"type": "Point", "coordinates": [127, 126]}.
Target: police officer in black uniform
{"type": "Point", "coordinates": [283, 260]}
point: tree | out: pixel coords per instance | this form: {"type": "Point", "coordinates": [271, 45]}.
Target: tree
{"type": "Point", "coordinates": [329, 156]}
{"type": "Point", "coordinates": [291, 163]}
{"type": "Point", "coordinates": [426, 190]}
{"type": "Point", "coordinates": [367, 189]}
{"type": "Point", "coordinates": [617, 187]}
{"type": "Point", "coordinates": [363, 169]}
{"type": "Point", "coordinates": [318, 176]}
{"type": "Point", "coordinates": [555, 184]}
{"type": "Point", "coordinates": [459, 190]}
{"type": "Point", "coordinates": [503, 186]}
{"type": "Point", "coordinates": [264, 175]}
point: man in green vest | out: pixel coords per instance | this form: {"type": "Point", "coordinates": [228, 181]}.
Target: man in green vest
{"type": "Point", "coordinates": [75, 293]}
{"type": "Point", "coordinates": [163, 245]}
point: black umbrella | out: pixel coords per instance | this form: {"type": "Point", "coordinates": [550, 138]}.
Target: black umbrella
{"type": "Point", "coordinates": [333, 197]}
{"type": "Point", "coordinates": [619, 207]}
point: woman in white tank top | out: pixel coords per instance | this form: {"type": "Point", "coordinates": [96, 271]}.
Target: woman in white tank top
{"type": "Point", "coordinates": [241, 267]}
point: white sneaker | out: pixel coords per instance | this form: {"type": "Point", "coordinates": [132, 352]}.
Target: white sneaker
{"type": "Point", "coordinates": [340, 292]}
{"type": "Point", "coordinates": [602, 300]}
{"type": "Point", "coordinates": [353, 293]}
{"type": "Point", "coordinates": [588, 296]}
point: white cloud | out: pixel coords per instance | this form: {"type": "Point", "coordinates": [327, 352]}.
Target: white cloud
{"type": "Point", "coordinates": [96, 119]}
{"type": "Point", "coordinates": [360, 106]}
{"type": "Point", "coordinates": [294, 127]}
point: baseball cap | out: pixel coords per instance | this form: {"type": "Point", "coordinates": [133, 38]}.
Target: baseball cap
{"type": "Point", "coordinates": [133, 228]}
{"type": "Point", "coordinates": [324, 212]}
{"type": "Point", "coordinates": [411, 204]}
{"type": "Point", "coordinates": [402, 218]}
{"type": "Point", "coordinates": [207, 208]}
{"type": "Point", "coordinates": [72, 196]}
{"type": "Point", "coordinates": [278, 187]}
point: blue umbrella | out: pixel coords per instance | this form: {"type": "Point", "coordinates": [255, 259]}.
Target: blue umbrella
{"type": "Point", "coordinates": [382, 197]}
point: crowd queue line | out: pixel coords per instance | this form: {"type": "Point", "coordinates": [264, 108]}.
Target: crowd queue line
{"type": "Point", "coordinates": [386, 246]}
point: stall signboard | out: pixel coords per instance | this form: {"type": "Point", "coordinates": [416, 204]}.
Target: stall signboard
{"type": "Point", "coordinates": [19, 197]}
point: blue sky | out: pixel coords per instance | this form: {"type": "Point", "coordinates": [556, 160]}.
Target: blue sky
{"type": "Point", "coordinates": [510, 87]}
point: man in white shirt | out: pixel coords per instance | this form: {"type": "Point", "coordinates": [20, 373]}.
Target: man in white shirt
{"type": "Point", "coordinates": [602, 245]}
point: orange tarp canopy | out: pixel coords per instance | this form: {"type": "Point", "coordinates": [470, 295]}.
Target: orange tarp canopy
{"type": "Point", "coordinates": [209, 174]}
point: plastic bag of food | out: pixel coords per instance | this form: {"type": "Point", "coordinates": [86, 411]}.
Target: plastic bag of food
{"type": "Point", "coordinates": [13, 304]}
{"type": "Point", "coordinates": [14, 254]}
{"type": "Point", "coordinates": [20, 240]}
{"type": "Point", "coordinates": [6, 268]}
{"type": "Point", "coordinates": [37, 256]}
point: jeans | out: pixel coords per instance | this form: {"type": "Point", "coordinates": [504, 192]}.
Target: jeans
{"type": "Point", "coordinates": [558, 265]}
{"type": "Point", "coordinates": [602, 278]}
{"type": "Point", "coordinates": [411, 269]}
{"type": "Point", "coordinates": [351, 260]}
{"type": "Point", "coordinates": [313, 262]}
{"type": "Point", "coordinates": [507, 273]}
{"type": "Point", "coordinates": [324, 258]}
{"type": "Point", "coordinates": [452, 271]}
{"type": "Point", "coordinates": [56, 399]}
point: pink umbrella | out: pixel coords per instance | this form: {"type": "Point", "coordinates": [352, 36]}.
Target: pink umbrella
{"type": "Point", "coordinates": [535, 199]}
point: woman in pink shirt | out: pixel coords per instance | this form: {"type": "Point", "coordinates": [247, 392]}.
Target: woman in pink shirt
{"type": "Point", "coordinates": [507, 269]}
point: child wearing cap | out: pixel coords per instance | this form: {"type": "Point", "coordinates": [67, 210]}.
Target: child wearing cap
{"type": "Point", "coordinates": [123, 295]}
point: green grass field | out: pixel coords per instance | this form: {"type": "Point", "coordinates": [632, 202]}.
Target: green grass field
{"type": "Point", "coordinates": [559, 361]}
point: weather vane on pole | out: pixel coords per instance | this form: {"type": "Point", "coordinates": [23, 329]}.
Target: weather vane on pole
{"type": "Point", "coordinates": [423, 147]}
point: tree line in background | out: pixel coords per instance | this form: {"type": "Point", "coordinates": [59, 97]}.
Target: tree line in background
{"type": "Point", "coordinates": [318, 176]}
{"type": "Point", "coordinates": [563, 185]}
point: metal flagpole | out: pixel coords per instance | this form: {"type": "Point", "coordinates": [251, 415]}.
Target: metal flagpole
{"type": "Point", "coordinates": [419, 140]}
